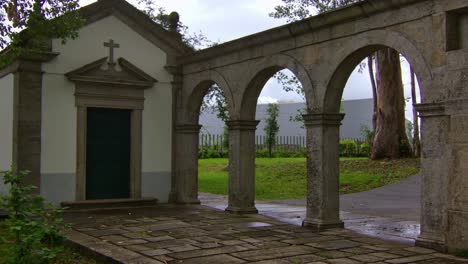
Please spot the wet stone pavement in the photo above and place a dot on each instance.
(388, 228)
(199, 234)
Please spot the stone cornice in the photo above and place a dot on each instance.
(242, 124)
(29, 61)
(353, 12)
(323, 119)
(431, 109)
(188, 128)
(129, 76)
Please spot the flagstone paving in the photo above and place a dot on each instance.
(198, 234)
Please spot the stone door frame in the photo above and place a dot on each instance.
(87, 96)
(110, 88)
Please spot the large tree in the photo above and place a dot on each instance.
(27, 25)
(390, 134)
(389, 103)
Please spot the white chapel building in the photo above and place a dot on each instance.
(93, 118)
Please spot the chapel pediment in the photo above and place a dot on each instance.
(106, 71)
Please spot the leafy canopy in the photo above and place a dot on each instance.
(160, 16)
(294, 10)
(27, 24)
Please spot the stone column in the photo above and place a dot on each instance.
(435, 176)
(242, 166)
(185, 187)
(457, 183)
(323, 201)
(27, 121)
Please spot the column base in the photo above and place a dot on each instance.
(238, 210)
(321, 226)
(178, 200)
(431, 244)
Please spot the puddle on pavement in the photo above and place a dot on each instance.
(374, 226)
(251, 225)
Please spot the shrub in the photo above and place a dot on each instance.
(284, 154)
(365, 149)
(302, 153)
(405, 149)
(262, 153)
(367, 134)
(348, 147)
(210, 152)
(35, 230)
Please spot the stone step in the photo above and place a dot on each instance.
(108, 204)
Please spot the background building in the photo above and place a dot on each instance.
(358, 113)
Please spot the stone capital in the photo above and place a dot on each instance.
(323, 119)
(431, 109)
(174, 69)
(188, 128)
(242, 124)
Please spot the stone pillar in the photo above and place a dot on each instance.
(434, 173)
(457, 183)
(185, 187)
(323, 201)
(27, 121)
(242, 166)
(81, 153)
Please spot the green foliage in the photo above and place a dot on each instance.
(302, 153)
(367, 134)
(159, 15)
(35, 230)
(289, 82)
(271, 126)
(365, 149)
(27, 26)
(294, 10)
(348, 147)
(405, 149)
(211, 152)
(215, 101)
(462, 253)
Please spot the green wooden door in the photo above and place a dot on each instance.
(107, 154)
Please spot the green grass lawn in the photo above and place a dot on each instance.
(285, 178)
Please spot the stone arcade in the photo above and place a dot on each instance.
(127, 80)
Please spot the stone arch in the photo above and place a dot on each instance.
(202, 83)
(266, 68)
(364, 46)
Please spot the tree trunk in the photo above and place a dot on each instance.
(370, 63)
(416, 141)
(390, 129)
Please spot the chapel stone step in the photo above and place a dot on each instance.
(108, 204)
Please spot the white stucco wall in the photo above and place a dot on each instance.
(58, 161)
(6, 125)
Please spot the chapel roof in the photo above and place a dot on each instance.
(137, 20)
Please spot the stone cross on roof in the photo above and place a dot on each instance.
(111, 45)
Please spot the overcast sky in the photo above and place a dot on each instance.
(222, 21)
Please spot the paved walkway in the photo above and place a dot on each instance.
(198, 234)
(391, 212)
